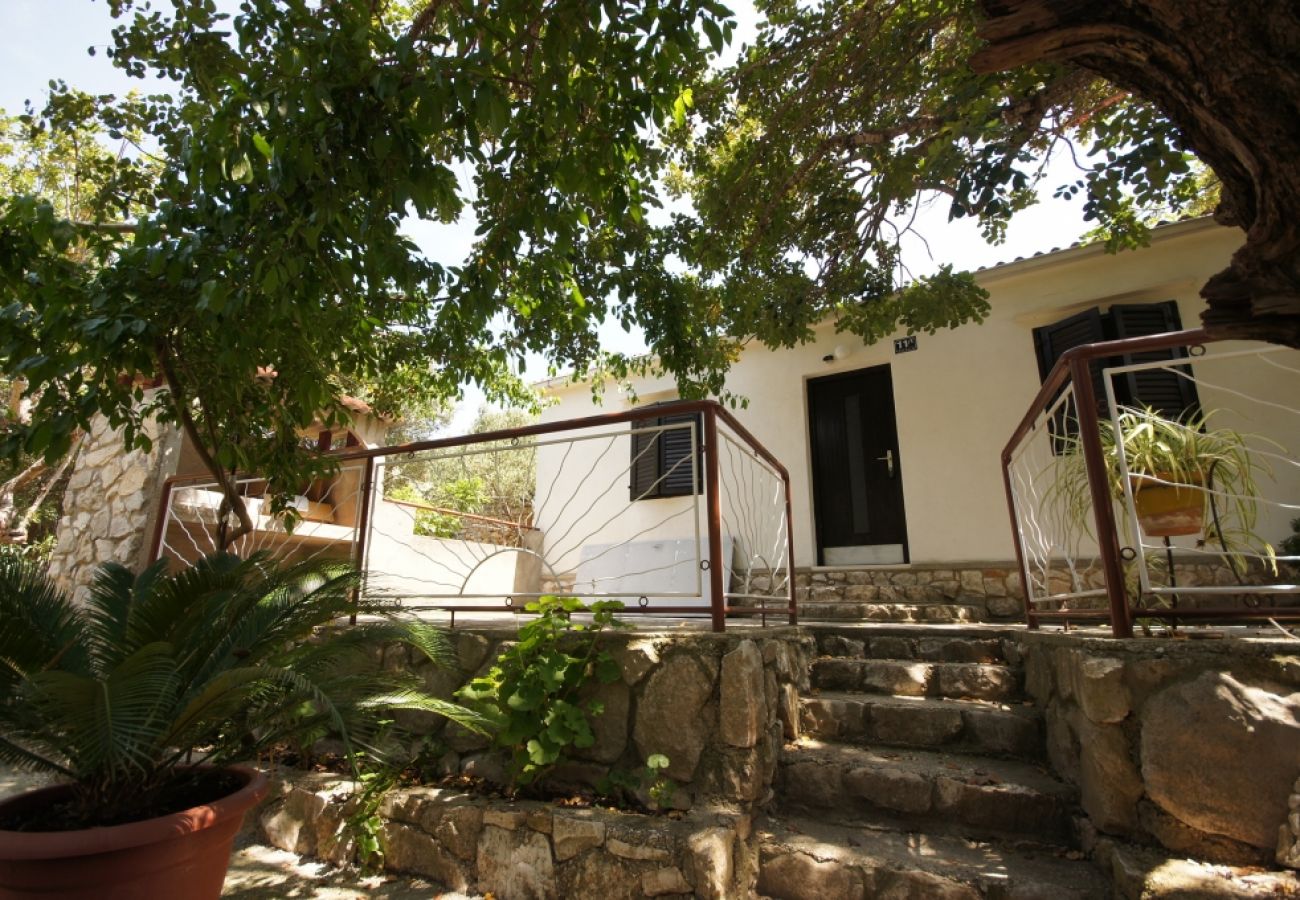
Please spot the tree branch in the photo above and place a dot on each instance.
(229, 490)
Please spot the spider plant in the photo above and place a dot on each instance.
(220, 661)
(1217, 463)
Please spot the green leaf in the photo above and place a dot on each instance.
(262, 146)
(241, 171)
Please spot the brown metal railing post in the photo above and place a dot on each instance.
(160, 524)
(1095, 462)
(363, 529)
(718, 601)
(789, 551)
(1031, 619)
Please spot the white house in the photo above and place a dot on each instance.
(894, 449)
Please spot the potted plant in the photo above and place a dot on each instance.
(1177, 468)
(1181, 473)
(123, 696)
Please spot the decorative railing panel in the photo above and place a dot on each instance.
(614, 507)
(1131, 513)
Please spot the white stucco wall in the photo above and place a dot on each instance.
(958, 398)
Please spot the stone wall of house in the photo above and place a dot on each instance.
(110, 504)
(513, 849)
(997, 586)
(718, 706)
(1192, 745)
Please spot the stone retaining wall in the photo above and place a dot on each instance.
(110, 504)
(523, 849)
(1193, 745)
(717, 705)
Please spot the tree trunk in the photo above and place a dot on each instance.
(1227, 74)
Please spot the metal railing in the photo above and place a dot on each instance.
(560, 507)
(1074, 478)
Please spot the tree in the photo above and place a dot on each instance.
(261, 265)
(497, 481)
(1223, 72)
(804, 158)
(69, 168)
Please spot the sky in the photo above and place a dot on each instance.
(45, 39)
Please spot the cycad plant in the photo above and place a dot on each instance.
(218, 662)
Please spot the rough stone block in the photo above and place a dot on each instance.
(671, 713)
(1039, 675)
(996, 731)
(1005, 607)
(837, 674)
(742, 713)
(1221, 756)
(572, 835)
(1102, 693)
(1007, 808)
(972, 582)
(515, 864)
(408, 849)
(891, 648)
(639, 851)
(611, 726)
(816, 785)
(896, 677)
(1109, 783)
(664, 881)
(709, 862)
(977, 681)
(787, 711)
(635, 659)
(796, 875)
(915, 725)
(892, 789)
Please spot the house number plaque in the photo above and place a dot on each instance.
(905, 344)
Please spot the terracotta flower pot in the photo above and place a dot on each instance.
(182, 855)
(1166, 510)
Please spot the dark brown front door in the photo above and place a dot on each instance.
(857, 475)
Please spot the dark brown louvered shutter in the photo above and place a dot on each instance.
(681, 471)
(1050, 341)
(645, 460)
(1170, 392)
(661, 464)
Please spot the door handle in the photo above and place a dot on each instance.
(888, 460)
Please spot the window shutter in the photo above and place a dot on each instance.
(1164, 390)
(645, 460)
(682, 475)
(1050, 341)
(661, 464)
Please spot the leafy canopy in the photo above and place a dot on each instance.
(804, 163)
(251, 252)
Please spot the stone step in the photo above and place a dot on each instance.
(932, 643)
(889, 612)
(939, 792)
(805, 859)
(900, 677)
(1140, 873)
(924, 722)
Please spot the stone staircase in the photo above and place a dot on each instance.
(920, 773)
